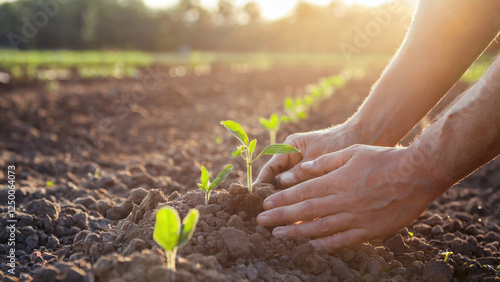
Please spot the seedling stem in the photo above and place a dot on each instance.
(247, 148)
(171, 258)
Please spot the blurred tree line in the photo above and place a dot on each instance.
(129, 24)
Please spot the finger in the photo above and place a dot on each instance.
(276, 165)
(302, 211)
(314, 188)
(293, 176)
(342, 240)
(326, 163)
(321, 227)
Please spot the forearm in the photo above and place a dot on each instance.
(467, 136)
(444, 39)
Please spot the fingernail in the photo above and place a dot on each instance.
(268, 205)
(279, 232)
(287, 178)
(315, 244)
(306, 165)
(263, 219)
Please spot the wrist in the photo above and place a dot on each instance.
(361, 129)
(423, 158)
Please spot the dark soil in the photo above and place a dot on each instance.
(149, 150)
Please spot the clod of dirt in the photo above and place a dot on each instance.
(397, 245)
(120, 211)
(137, 195)
(237, 242)
(435, 271)
(44, 207)
(250, 203)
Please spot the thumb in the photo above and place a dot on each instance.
(326, 163)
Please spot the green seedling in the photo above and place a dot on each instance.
(446, 255)
(272, 125)
(96, 174)
(49, 183)
(337, 81)
(295, 109)
(411, 233)
(246, 150)
(207, 186)
(171, 234)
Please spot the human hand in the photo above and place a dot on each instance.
(285, 170)
(359, 193)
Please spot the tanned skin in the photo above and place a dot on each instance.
(342, 194)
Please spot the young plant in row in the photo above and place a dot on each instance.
(171, 234)
(295, 109)
(247, 148)
(207, 186)
(272, 125)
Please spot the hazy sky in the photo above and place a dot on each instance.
(271, 9)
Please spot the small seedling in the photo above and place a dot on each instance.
(295, 109)
(272, 125)
(171, 234)
(94, 176)
(446, 255)
(411, 233)
(50, 183)
(207, 186)
(246, 150)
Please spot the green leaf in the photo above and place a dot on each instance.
(289, 103)
(264, 122)
(286, 119)
(188, 225)
(221, 177)
(238, 151)
(236, 130)
(50, 183)
(167, 228)
(251, 147)
(204, 188)
(299, 102)
(308, 100)
(274, 122)
(204, 177)
(279, 149)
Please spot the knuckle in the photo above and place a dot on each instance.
(295, 231)
(354, 147)
(282, 198)
(323, 226)
(308, 210)
(303, 192)
(344, 240)
(280, 214)
(289, 139)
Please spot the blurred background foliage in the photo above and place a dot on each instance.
(130, 24)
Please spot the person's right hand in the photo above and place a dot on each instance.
(284, 170)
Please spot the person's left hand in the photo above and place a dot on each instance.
(359, 194)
